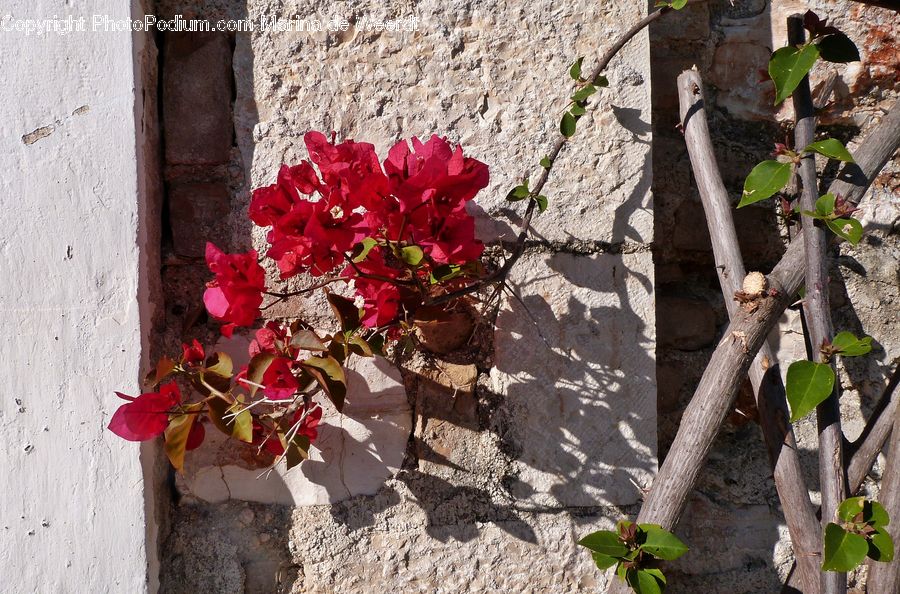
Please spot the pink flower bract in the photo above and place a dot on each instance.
(146, 416)
(235, 295)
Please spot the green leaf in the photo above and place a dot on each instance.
(583, 93)
(520, 192)
(643, 582)
(367, 244)
(217, 373)
(219, 364)
(412, 255)
(849, 229)
(844, 550)
(567, 125)
(808, 384)
(679, 4)
(878, 516)
(873, 513)
(881, 546)
(330, 375)
(297, 451)
(603, 561)
(661, 543)
(575, 69)
(445, 272)
(605, 542)
(764, 180)
(358, 346)
(657, 573)
(345, 311)
(825, 205)
(307, 340)
(850, 346)
(376, 344)
(837, 47)
(542, 202)
(831, 148)
(601, 81)
(256, 369)
(546, 163)
(848, 508)
(239, 426)
(788, 66)
(241, 423)
(578, 110)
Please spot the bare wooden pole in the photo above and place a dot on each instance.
(764, 374)
(832, 481)
(874, 435)
(745, 334)
(884, 578)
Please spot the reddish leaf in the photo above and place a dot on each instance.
(178, 434)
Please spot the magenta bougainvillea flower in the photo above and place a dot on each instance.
(235, 295)
(391, 234)
(146, 416)
(193, 353)
(417, 198)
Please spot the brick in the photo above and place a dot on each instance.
(195, 209)
(685, 324)
(197, 89)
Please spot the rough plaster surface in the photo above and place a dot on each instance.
(72, 307)
(574, 360)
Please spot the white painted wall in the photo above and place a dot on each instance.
(72, 517)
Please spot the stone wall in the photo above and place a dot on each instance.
(469, 470)
(476, 470)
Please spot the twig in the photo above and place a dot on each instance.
(818, 311)
(764, 375)
(884, 578)
(310, 289)
(866, 448)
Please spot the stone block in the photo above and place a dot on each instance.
(387, 543)
(197, 88)
(195, 210)
(578, 378)
(684, 323)
(468, 73)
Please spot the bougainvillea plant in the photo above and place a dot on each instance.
(382, 240)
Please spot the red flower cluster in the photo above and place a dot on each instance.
(235, 295)
(397, 232)
(417, 199)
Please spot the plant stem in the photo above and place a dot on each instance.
(519, 246)
(817, 309)
(884, 578)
